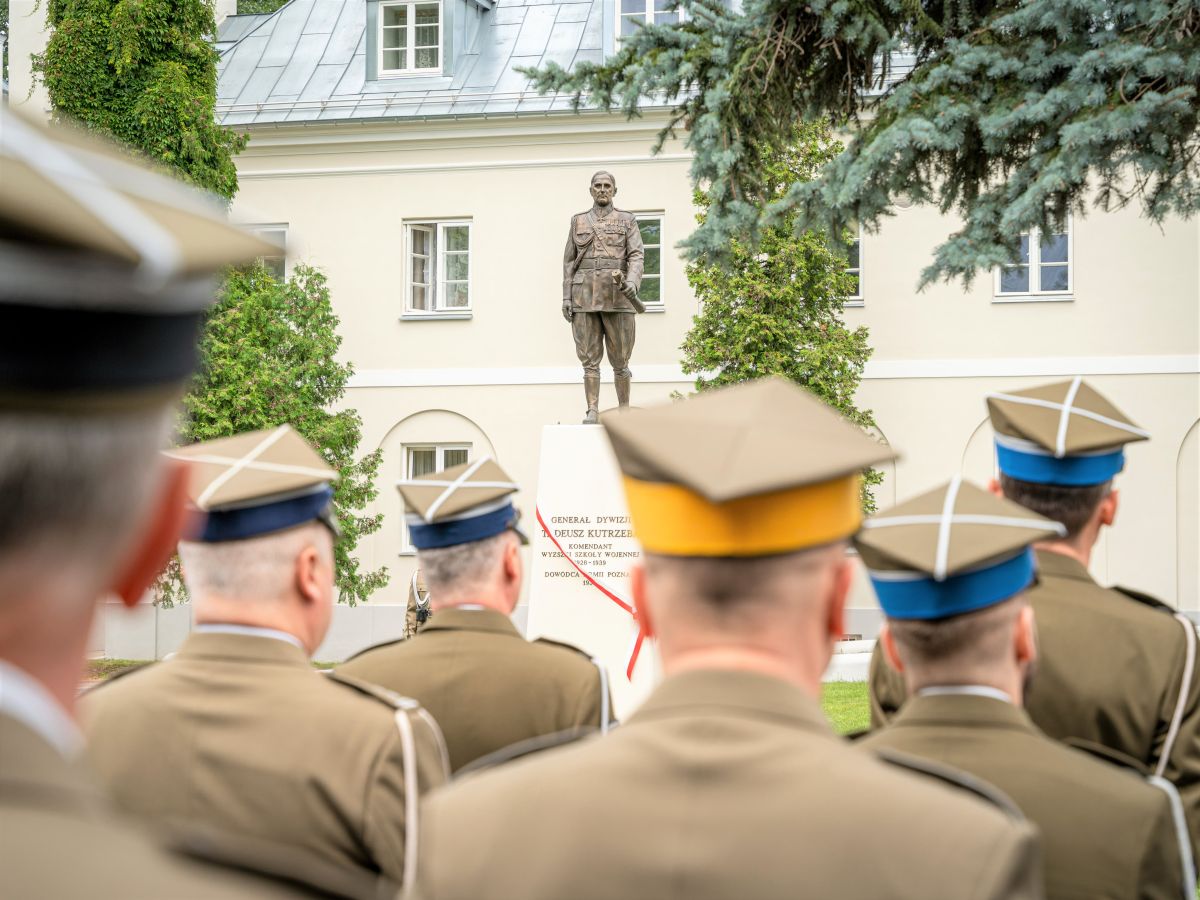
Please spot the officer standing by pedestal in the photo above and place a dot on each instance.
(1117, 668)
(602, 271)
(951, 569)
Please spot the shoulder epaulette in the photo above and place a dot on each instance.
(565, 645)
(955, 778)
(399, 640)
(1108, 755)
(119, 674)
(526, 748)
(1142, 598)
(378, 692)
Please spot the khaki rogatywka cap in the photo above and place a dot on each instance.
(459, 505)
(750, 470)
(952, 550)
(258, 483)
(1066, 433)
(108, 267)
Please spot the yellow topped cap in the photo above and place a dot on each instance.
(750, 470)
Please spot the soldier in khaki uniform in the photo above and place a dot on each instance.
(485, 684)
(1117, 668)
(105, 282)
(237, 730)
(602, 271)
(418, 609)
(729, 782)
(951, 568)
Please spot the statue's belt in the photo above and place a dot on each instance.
(602, 263)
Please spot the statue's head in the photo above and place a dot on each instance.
(604, 188)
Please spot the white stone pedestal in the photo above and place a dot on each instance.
(582, 507)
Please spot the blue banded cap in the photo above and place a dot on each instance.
(953, 550)
(1066, 433)
(108, 267)
(461, 504)
(258, 483)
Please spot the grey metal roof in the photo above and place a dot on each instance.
(307, 62)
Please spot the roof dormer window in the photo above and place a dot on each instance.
(410, 37)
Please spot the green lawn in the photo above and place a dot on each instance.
(846, 705)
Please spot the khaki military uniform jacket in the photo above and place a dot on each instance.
(1106, 833)
(596, 247)
(485, 684)
(723, 785)
(1109, 672)
(240, 733)
(59, 838)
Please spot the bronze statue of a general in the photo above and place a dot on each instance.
(602, 271)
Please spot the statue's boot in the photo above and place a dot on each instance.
(622, 383)
(591, 389)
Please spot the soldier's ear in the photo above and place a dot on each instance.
(1025, 637)
(637, 588)
(158, 538)
(887, 641)
(994, 487)
(1108, 507)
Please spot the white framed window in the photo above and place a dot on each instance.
(854, 267)
(276, 264)
(650, 224)
(1042, 269)
(410, 37)
(438, 268)
(632, 14)
(425, 459)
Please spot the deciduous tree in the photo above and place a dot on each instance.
(269, 355)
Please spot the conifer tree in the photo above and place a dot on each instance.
(1007, 113)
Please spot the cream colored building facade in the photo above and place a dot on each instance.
(373, 179)
(490, 382)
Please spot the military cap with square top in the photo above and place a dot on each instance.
(952, 550)
(258, 483)
(749, 470)
(1066, 433)
(461, 504)
(108, 267)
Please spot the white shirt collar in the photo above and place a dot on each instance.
(970, 690)
(254, 631)
(25, 699)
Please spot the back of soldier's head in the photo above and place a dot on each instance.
(463, 524)
(950, 568)
(1058, 448)
(266, 498)
(742, 499)
(107, 273)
